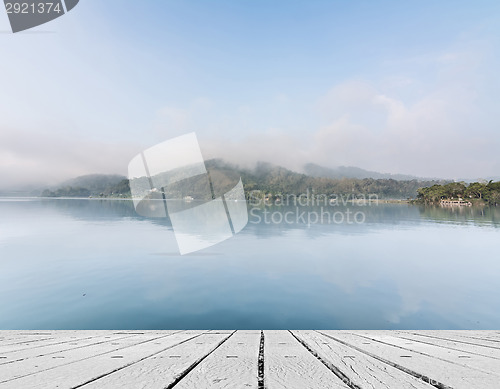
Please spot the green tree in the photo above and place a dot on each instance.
(476, 190)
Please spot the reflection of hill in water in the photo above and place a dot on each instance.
(100, 210)
(390, 216)
(376, 218)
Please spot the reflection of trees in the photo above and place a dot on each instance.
(462, 215)
(94, 209)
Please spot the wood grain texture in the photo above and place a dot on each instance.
(56, 349)
(430, 369)
(32, 342)
(466, 347)
(163, 369)
(288, 364)
(465, 338)
(459, 358)
(357, 368)
(228, 359)
(29, 366)
(487, 337)
(234, 365)
(84, 365)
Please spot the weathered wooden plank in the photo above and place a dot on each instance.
(375, 359)
(451, 344)
(488, 336)
(163, 369)
(21, 337)
(29, 366)
(8, 336)
(58, 348)
(472, 334)
(233, 365)
(56, 338)
(288, 364)
(436, 371)
(357, 368)
(461, 358)
(82, 365)
(454, 336)
(24, 341)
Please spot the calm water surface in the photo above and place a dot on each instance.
(96, 264)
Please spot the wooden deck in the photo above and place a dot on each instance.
(250, 359)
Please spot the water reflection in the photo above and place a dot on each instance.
(404, 267)
(384, 214)
(481, 216)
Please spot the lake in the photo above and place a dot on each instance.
(97, 264)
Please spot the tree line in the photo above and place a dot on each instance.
(270, 180)
(476, 192)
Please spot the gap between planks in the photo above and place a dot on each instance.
(269, 359)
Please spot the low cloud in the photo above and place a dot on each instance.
(37, 158)
(441, 123)
(445, 128)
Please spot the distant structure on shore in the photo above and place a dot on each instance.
(455, 203)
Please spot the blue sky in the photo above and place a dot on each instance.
(395, 86)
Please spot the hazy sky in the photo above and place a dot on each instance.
(394, 86)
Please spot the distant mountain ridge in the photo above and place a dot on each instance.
(265, 178)
(340, 172)
(91, 185)
(98, 182)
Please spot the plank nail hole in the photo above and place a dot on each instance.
(367, 343)
(114, 344)
(282, 343)
(290, 356)
(58, 357)
(117, 356)
(405, 356)
(231, 356)
(241, 343)
(3, 357)
(463, 356)
(200, 343)
(174, 356)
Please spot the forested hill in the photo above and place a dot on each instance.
(265, 177)
(475, 192)
(314, 170)
(277, 180)
(95, 185)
